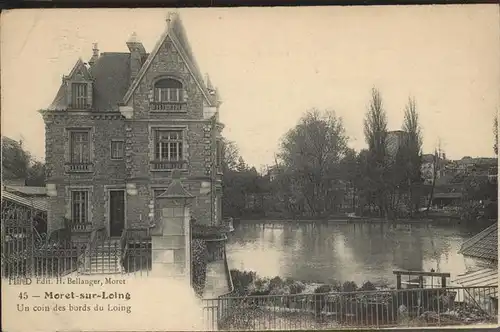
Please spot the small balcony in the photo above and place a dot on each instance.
(79, 167)
(168, 165)
(81, 227)
(168, 106)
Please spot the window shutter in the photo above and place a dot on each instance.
(184, 95)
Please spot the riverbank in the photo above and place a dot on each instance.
(438, 220)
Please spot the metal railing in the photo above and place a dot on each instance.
(136, 251)
(385, 308)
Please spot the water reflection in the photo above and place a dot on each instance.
(358, 252)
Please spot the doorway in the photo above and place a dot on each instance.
(116, 212)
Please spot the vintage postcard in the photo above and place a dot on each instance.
(250, 168)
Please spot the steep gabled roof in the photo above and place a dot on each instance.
(60, 101)
(111, 74)
(112, 79)
(175, 31)
(80, 69)
(482, 245)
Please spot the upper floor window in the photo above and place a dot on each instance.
(80, 146)
(168, 145)
(79, 95)
(117, 149)
(168, 90)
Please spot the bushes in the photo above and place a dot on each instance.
(296, 287)
(349, 286)
(248, 283)
(199, 265)
(367, 286)
(242, 281)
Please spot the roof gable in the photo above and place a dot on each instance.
(175, 31)
(80, 72)
(111, 75)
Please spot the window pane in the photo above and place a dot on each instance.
(164, 150)
(164, 95)
(79, 147)
(117, 150)
(174, 95)
(168, 145)
(79, 206)
(173, 151)
(79, 95)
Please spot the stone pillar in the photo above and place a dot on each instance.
(171, 236)
(170, 240)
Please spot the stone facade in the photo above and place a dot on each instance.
(135, 173)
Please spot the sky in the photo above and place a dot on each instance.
(273, 64)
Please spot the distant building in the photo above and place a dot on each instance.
(272, 172)
(394, 140)
(428, 166)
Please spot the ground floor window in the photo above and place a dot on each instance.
(79, 206)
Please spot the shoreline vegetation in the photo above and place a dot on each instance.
(248, 283)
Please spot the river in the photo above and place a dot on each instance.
(356, 252)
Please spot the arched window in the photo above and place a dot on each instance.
(169, 90)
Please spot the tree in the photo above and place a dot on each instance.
(311, 153)
(15, 160)
(435, 169)
(375, 129)
(241, 165)
(231, 155)
(17, 163)
(36, 174)
(412, 150)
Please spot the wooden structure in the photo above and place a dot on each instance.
(420, 277)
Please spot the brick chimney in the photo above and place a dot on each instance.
(137, 54)
(95, 54)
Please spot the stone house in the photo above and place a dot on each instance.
(117, 128)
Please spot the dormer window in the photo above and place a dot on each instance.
(79, 95)
(169, 95)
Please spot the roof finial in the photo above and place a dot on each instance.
(169, 18)
(133, 38)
